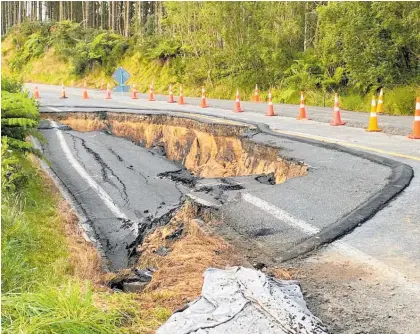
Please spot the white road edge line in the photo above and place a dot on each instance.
(339, 245)
(280, 214)
(82, 172)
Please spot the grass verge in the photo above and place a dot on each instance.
(51, 276)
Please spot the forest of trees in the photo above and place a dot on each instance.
(349, 47)
(111, 15)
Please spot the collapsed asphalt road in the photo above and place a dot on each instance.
(366, 282)
(129, 175)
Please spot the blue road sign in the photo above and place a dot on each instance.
(121, 76)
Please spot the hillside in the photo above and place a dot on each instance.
(353, 49)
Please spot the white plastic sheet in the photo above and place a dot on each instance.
(245, 301)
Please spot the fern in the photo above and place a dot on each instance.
(22, 122)
(19, 115)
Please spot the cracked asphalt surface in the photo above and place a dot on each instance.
(127, 173)
(374, 287)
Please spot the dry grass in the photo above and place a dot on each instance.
(84, 259)
(179, 275)
(85, 124)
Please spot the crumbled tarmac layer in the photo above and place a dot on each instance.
(182, 175)
(267, 179)
(145, 227)
(125, 279)
(177, 233)
(158, 149)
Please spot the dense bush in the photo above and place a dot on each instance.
(106, 49)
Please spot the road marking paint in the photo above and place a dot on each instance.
(280, 214)
(82, 172)
(348, 144)
(338, 245)
(301, 134)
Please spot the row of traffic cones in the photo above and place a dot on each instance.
(376, 108)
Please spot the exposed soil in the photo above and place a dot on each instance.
(211, 151)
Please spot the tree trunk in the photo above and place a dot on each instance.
(101, 11)
(39, 4)
(93, 14)
(305, 30)
(87, 13)
(3, 18)
(19, 15)
(112, 14)
(127, 19)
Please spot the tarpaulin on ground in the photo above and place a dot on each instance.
(243, 300)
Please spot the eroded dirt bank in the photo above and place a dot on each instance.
(207, 150)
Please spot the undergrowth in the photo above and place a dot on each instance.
(65, 52)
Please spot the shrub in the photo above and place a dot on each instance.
(11, 85)
(106, 49)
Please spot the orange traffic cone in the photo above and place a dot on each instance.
(373, 120)
(256, 97)
(203, 98)
(85, 93)
(416, 125)
(63, 92)
(270, 109)
(36, 93)
(181, 96)
(237, 107)
(108, 93)
(102, 87)
(151, 93)
(171, 95)
(302, 108)
(134, 93)
(336, 113)
(380, 107)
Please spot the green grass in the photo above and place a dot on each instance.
(39, 294)
(63, 309)
(33, 244)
